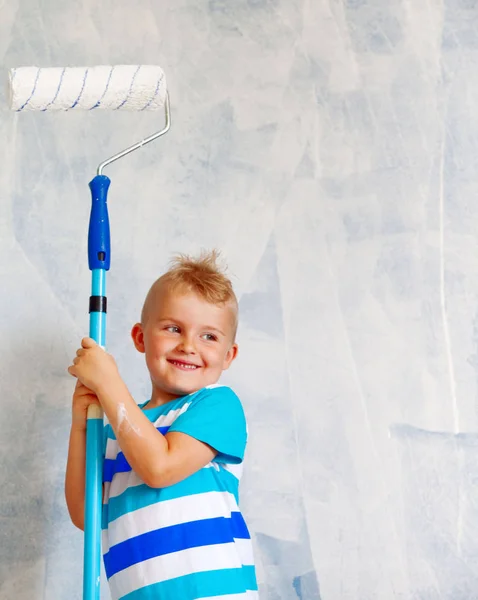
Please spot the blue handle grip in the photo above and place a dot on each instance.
(99, 229)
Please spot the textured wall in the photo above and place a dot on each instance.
(329, 148)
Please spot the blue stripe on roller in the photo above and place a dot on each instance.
(120, 464)
(158, 85)
(130, 89)
(106, 89)
(57, 91)
(33, 91)
(194, 534)
(206, 584)
(82, 89)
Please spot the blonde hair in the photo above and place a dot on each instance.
(202, 276)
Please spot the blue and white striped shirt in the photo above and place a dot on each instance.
(187, 541)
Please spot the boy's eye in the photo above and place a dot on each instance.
(209, 337)
(172, 329)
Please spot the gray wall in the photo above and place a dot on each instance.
(329, 149)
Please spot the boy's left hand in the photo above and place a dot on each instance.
(94, 367)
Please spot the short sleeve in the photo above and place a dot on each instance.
(216, 417)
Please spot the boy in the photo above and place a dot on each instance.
(172, 529)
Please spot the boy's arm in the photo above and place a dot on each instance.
(75, 468)
(159, 460)
(75, 476)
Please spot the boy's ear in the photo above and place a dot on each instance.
(138, 337)
(230, 356)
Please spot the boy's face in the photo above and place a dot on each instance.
(187, 341)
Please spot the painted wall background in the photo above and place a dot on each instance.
(329, 149)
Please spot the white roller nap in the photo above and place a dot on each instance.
(121, 87)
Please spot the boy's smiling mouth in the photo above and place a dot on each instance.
(183, 365)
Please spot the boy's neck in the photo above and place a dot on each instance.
(160, 397)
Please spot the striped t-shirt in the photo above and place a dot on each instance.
(189, 540)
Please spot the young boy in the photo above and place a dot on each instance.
(172, 529)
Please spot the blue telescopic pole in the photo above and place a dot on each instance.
(99, 263)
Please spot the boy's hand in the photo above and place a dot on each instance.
(94, 367)
(82, 398)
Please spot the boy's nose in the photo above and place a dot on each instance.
(187, 345)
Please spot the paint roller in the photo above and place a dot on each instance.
(125, 88)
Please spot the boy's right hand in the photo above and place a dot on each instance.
(82, 398)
